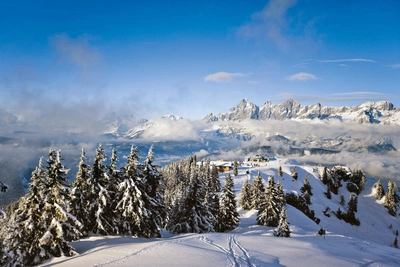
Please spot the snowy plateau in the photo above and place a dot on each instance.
(370, 244)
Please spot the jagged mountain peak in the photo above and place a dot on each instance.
(172, 117)
(369, 112)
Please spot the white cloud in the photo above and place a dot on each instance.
(270, 23)
(222, 76)
(301, 76)
(395, 66)
(347, 60)
(77, 51)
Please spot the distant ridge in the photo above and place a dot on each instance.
(382, 112)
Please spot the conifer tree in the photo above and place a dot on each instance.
(235, 168)
(257, 192)
(228, 216)
(328, 192)
(154, 191)
(141, 215)
(101, 213)
(306, 186)
(391, 198)
(245, 196)
(324, 176)
(280, 172)
(380, 192)
(58, 225)
(295, 175)
(216, 184)
(268, 214)
(80, 202)
(280, 194)
(283, 227)
(21, 240)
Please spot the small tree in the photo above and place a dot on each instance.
(391, 198)
(306, 186)
(235, 168)
(380, 192)
(228, 216)
(295, 175)
(245, 196)
(283, 227)
(257, 192)
(280, 172)
(324, 176)
(268, 214)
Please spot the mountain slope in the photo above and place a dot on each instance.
(252, 245)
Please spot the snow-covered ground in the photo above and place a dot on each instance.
(252, 245)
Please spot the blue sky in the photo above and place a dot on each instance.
(189, 58)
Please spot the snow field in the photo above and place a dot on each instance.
(253, 245)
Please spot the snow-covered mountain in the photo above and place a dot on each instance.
(380, 112)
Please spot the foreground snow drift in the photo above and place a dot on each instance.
(248, 245)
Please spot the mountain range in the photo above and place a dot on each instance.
(382, 112)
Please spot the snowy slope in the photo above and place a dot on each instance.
(252, 245)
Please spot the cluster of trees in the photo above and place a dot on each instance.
(269, 201)
(332, 178)
(350, 215)
(194, 199)
(102, 199)
(391, 197)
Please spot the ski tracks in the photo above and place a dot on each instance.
(236, 254)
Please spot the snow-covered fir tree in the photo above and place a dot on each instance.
(257, 192)
(211, 195)
(306, 186)
(380, 192)
(268, 214)
(228, 216)
(100, 197)
(280, 172)
(325, 175)
(24, 228)
(59, 225)
(141, 215)
(391, 198)
(216, 184)
(283, 227)
(80, 202)
(235, 168)
(280, 194)
(245, 196)
(154, 191)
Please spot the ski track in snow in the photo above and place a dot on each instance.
(234, 258)
(127, 257)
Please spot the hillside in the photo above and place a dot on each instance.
(252, 245)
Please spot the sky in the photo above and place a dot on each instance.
(79, 59)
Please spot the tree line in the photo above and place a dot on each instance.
(137, 199)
